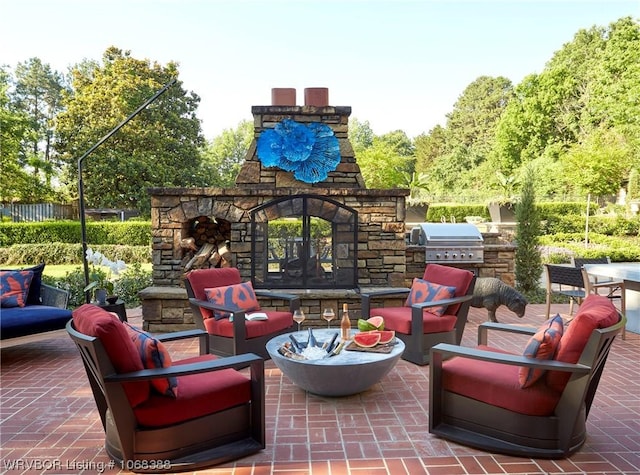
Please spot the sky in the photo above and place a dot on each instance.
(400, 65)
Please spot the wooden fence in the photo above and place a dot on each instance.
(19, 212)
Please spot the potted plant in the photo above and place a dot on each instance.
(416, 203)
(101, 281)
(502, 208)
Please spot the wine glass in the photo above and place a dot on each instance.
(328, 315)
(298, 317)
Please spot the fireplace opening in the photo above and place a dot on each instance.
(206, 243)
(304, 241)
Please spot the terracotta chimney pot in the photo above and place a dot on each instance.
(283, 96)
(316, 96)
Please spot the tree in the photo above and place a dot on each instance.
(160, 147)
(528, 259)
(614, 79)
(17, 183)
(429, 147)
(472, 124)
(360, 134)
(400, 143)
(598, 165)
(591, 85)
(386, 160)
(225, 154)
(382, 166)
(38, 94)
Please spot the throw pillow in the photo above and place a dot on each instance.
(153, 354)
(15, 287)
(236, 297)
(33, 298)
(425, 291)
(543, 346)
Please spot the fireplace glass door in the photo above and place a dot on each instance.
(304, 241)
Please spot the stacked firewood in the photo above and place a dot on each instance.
(208, 245)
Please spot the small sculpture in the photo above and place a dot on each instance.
(490, 293)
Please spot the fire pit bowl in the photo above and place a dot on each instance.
(347, 373)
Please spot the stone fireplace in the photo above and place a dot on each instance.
(325, 240)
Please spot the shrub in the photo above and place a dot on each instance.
(132, 281)
(560, 247)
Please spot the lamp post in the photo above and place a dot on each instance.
(83, 223)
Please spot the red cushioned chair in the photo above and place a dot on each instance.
(216, 414)
(477, 397)
(239, 336)
(414, 324)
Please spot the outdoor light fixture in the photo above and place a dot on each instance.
(83, 223)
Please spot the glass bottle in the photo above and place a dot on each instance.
(345, 323)
(312, 339)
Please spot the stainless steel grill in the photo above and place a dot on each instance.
(449, 242)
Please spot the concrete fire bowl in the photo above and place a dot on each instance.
(347, 373)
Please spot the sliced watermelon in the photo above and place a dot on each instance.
(386, 336)
(364, 326)
(367, 339)
(376, 322)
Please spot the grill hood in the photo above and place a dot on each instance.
(449, 242)
(446, 234)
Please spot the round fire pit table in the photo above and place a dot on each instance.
(347, 373)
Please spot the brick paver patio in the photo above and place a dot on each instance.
(49, 420)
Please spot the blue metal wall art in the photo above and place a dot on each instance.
(310, 151)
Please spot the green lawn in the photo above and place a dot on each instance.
(59, 271)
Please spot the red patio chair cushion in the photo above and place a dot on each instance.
(399, 320)
(498, 385)
(199, 395)
(107, 327)
(276, 321)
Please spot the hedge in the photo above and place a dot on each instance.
(134, 233)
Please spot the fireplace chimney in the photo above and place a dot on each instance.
(316, 96)
(283, 96)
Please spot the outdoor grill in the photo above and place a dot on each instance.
(449, 242)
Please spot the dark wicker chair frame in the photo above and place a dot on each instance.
(567, 281)
(190, 445)
(418, 344)
(53, 296)
(494, 429)
(239, 344)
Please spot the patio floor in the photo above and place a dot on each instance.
(49, 423)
